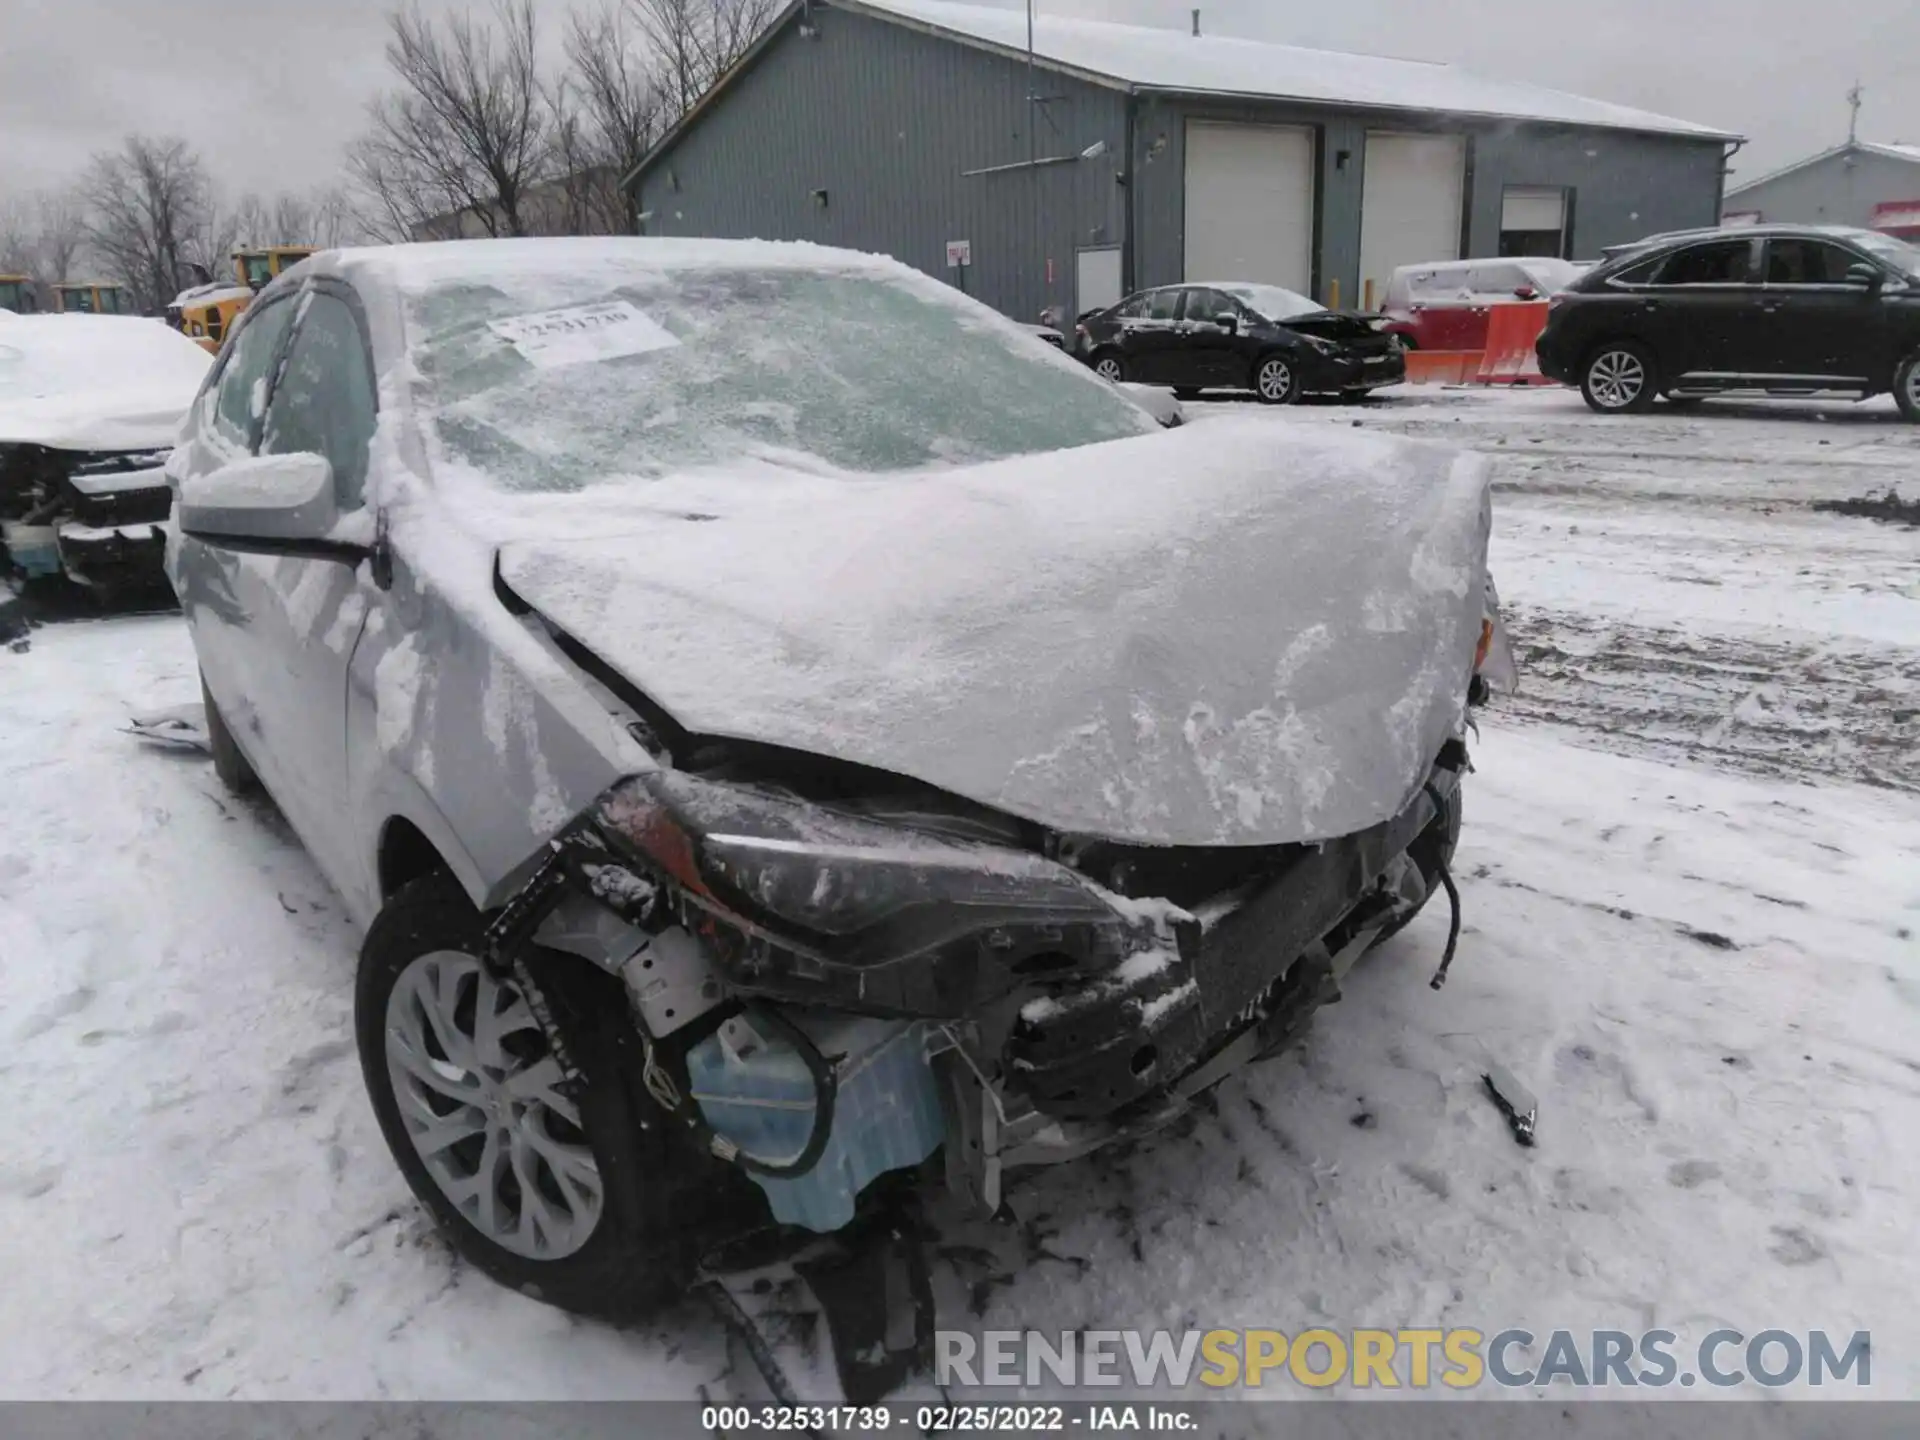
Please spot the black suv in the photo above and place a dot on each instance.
(1778, 309)
(1276, 343)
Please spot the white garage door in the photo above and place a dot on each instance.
(1250, 204)
(1409, 204)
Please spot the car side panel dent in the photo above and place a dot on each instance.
(449, 731)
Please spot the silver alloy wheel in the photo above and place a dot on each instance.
(1276, 380)
(1913, 385)
(1108, 368)
(1617, 378)
(475, 1084)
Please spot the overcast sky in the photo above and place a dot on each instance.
(271, 90)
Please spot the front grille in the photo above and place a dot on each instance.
(123, 507)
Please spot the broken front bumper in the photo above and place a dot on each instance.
(1062, 1015)
(1088, 1052)
(113, 558)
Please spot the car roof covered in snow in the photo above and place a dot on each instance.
(1157, 59)
(417, 267)
(96, 382)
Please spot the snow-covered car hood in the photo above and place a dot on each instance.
(1229, 635)
(96, 382)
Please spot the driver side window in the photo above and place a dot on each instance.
(241, 400)
(1205, 307)
(324, 402)
(1164, 305)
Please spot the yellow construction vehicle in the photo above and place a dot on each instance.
(90, 298)
(207, 312)
(255, 267)
(17, 294)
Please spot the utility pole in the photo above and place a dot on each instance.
(1853, 101)
(1038, 239)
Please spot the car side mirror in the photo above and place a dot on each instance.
(1525, 292)
(1227, 321)
(285, 498)
(1869, 276)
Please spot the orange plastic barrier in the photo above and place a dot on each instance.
(1511, 331)
(1443, 367)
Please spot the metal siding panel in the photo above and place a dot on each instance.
(885, 119)
(1831, 191)
(1624, 185)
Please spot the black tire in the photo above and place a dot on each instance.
(1620, 377)
(1110, 365)
(1431, 850)
(664, 1202)
(1268, 384)
(1906, 388)
(228, 763)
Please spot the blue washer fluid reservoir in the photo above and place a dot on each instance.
(754, 1089)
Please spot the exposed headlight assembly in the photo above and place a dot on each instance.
(817, 906)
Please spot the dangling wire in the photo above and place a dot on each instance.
(737, 1322)
(1441, 861)
(1453, 928)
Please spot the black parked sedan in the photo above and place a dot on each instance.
(1772, 309)
(1239, 337)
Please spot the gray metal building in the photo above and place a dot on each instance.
(1109, 157)
(1852, 184)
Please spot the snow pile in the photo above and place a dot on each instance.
(96, 382)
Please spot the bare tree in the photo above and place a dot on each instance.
(607, 112)
(467, 132)
(695, 42)
(42, 235)
(148, 206)
(208, 252)
(60, 234)
(17, 239)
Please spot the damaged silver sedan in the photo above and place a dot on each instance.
(794, 739)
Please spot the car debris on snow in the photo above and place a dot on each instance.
(1514, 1101)
(184, 727)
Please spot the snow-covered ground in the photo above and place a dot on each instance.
(1691, 900)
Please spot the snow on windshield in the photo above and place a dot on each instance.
(553, 379)
(1273, 302)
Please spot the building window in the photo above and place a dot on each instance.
(1534, 222)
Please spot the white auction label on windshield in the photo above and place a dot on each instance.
(581, 333)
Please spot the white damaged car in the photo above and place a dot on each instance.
(89, 407)
(781, 725)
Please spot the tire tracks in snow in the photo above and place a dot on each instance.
(1785, 708)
